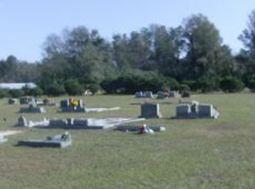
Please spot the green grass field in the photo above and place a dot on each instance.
(191, 154)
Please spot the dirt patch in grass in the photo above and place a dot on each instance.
(10, 132)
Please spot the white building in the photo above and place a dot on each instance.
(17, 85)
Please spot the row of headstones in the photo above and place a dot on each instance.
(196, 110)
(192, 110)
(65, 105)
(31, 100)
(159, 95)
(69, 123)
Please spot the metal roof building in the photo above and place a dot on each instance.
(17, 85)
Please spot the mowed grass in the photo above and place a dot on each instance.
(191, 154)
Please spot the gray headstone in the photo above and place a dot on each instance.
(205, 110)
(81, 104)
(139, 94)
(183, 110)
(80, 123)
(66, 106)
(70, 121)
(162, 95)
(12, 101)
(26, 100)
(174, 94)
(46, 101)
(148, 94)
(58, 123)
(22, 121)
(149, 110)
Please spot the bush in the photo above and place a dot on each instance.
(192, 85)
(16, 93)
(73, 87)
(133, 82)
(252, 85)
(174, 84)
(3, 93)
(35, 92)
(184, 87)
(186, 94)
(231, 84)
(55, 89)
(94, 88)
(208, 84)
(108, 86)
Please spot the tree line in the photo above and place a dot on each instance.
(191, 56)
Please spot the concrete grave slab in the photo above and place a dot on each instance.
(58, 141)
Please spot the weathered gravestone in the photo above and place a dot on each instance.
(72, 105)
(174, 94)
(183, 110)
(22, 122)
(32, 108)
(26, 100)
(162, 95)
(3, 139)
(48, 102)
(12, 101)
(146, 94)
(196, 110)
(139, 94)
(58, 123)
(150, 110)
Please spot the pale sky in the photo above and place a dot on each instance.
(25, 24)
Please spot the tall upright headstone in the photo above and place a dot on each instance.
(22, 121)
(150, 110)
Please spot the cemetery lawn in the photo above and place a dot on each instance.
(191, 154)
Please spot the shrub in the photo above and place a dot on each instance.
(231, 84)
(174, 84)
(35, 92)
(107, 86)
(208, 84)
(55, 89)
(186, 94)
(192, 85)
(94, 88)
(133, 82)
(73, 87)
(3, 93)
(184, 87)
(252, 85)
(16, 93)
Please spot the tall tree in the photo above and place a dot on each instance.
(167, 48)
(248, 35)
(133, 51)
(77, 54)
(203, 41)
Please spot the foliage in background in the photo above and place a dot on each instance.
(231, 84)
(191, 56)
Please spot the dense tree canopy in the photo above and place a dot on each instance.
(191, 55)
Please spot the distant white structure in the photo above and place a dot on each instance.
(11, 86)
